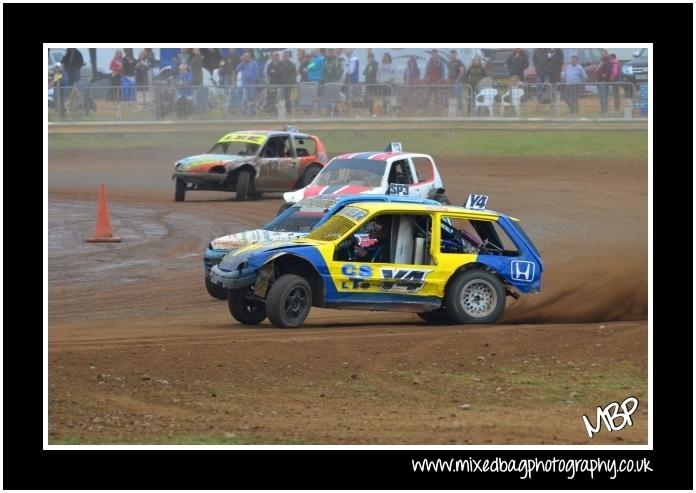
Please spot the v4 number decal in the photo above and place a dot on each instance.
(403, 280)
(396, 280)
(476, 201)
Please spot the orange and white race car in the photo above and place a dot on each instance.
(251, 162)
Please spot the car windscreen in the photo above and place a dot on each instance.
(338, 225)
(296, 221)
(303, 216)
(235, 148)
(361, 172)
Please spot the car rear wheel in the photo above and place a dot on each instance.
(289, 301)
(243, 180)
(475, 297)
(214, 290)
(179, 190)
(308, 177)
(244, 309)
(283, 208)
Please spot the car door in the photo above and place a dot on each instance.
(397, 268)
(295, 158)
(423, 173)
(277, 165)
(452, 247)
(400, 178)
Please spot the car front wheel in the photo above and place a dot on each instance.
(243, 181)
(475, 297)
(179, 190)
(289, 301)
(214, 290)
(244, 309)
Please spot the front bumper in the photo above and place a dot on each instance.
(233, 279)
(212, 257)
(200, 178)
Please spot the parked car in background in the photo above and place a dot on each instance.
(496, 64)
(636, 70)
(587, 57)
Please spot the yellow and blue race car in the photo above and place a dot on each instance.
(448, 264)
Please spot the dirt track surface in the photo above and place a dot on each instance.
(138, 352)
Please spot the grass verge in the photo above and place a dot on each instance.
(521, 143)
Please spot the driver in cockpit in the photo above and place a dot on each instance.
(249, 149)
(376, 250)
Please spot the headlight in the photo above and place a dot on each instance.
(627, 69)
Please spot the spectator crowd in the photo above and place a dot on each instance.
(247, 72)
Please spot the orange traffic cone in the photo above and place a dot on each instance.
(103, 233)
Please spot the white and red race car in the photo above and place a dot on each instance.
(390, 172)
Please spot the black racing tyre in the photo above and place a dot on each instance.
(442, 198)
(179, 190)
(243, 181)
(214, 290)
(440, 316)
(252, 194)
(308, 177)
(475, 297)
(288, 301)
(244, 310)
(283, 207)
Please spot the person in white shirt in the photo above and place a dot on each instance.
(386, 74)
(352, 68)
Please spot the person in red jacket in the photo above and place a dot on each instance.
(116, 68)
(603, 76)
(434, 72)
(616, 78)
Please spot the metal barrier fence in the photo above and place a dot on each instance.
(167, 101)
